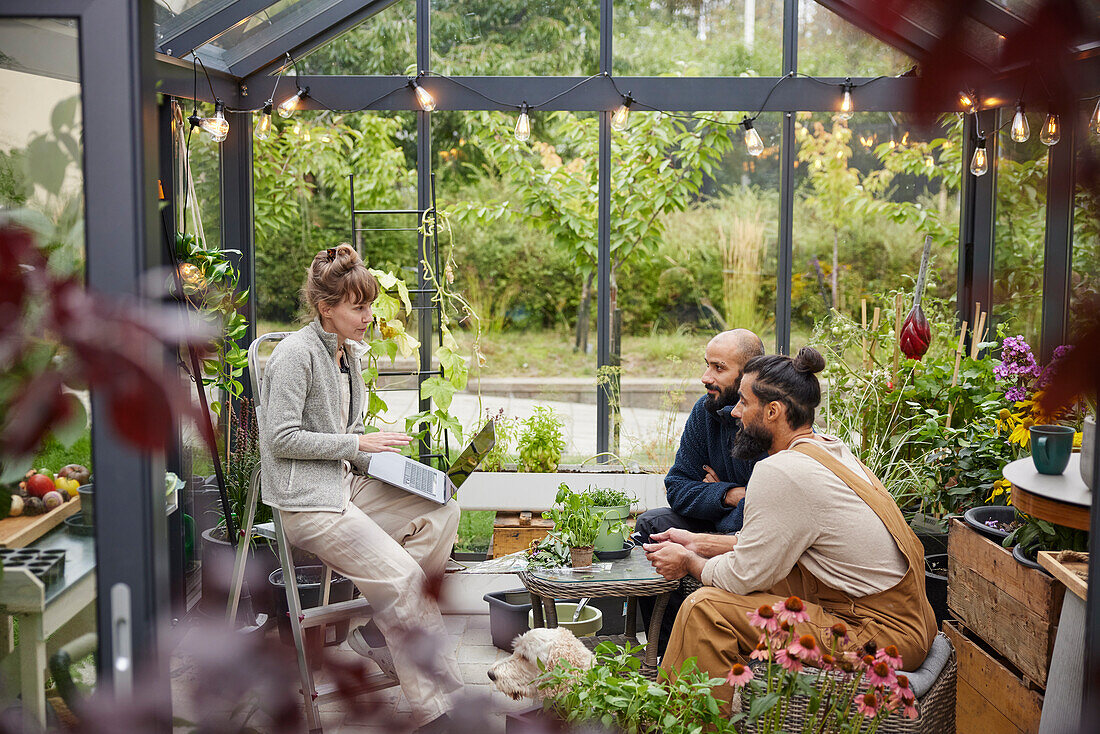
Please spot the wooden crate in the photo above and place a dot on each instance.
(990, 698)
(1014, 609)
(515, 531)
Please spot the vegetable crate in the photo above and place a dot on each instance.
(990, 696)
(1012, 608)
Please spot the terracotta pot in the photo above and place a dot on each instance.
(581, 557)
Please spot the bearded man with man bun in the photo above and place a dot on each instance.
(818, 525)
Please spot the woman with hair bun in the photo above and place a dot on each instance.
(819, 525)
(314, 455)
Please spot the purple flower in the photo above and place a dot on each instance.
(1015, 394)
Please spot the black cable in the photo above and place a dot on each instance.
(467, 88)
(207, 73)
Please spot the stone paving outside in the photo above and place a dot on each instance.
(469, 634)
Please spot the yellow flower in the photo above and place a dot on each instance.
(1001, 486)
(1077, 437)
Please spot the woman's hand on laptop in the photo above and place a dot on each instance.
(380, 441)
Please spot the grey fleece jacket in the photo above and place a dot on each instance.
(302, 441)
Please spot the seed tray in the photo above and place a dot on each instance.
(47, 565)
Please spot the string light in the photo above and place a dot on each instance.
(969, 101)
(846, 108)
(426, 100)
(753, 142)
(523, 124)
(263, 130)
(979, 164)
(1095, 119)
(297, 128)
(217, 126)
(1052, 130)
(621, 118)
(1021, 131)
(292, 103)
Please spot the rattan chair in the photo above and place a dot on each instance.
(935, 708)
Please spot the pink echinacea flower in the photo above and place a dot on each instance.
(805, 648)
(739, 675)
(764, 618)
(792, 610)
(867, 704)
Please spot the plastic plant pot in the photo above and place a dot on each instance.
(590, 623)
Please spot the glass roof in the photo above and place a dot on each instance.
(272, 28)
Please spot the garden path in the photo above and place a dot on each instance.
(647, 433)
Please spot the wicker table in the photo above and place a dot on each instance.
(632, 577)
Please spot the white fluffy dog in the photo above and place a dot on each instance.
(515, 675)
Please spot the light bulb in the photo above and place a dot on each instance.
(1095, 120)
(846, 104)
(979, 164)
(1052, 130)
(293, 102)
(967, 100)
(752, 138)
(217, 126)
(1021, 131)
(263, 130)
(427, 102)
(621, 117)
(305, 135)
(523, 124)
(297, 128)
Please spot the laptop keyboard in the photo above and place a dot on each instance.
(418, 477)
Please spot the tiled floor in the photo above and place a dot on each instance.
(387, 711)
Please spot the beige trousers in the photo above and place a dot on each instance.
(388, 542)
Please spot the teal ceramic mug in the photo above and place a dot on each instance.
(1051, 447)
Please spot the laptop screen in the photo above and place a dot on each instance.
(472, 455)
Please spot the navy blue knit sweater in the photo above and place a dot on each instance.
(708, 439)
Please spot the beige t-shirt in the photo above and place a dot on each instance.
(797, 510)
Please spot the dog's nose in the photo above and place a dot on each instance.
(492, 675)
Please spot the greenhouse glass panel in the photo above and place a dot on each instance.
(693, 240)
(171, 17)
(384, 44)
(724, 38)
(42, 189)
(515, 38)
(267, 26)
(1019, 237)
(1085, 278)
(523, 220)
(869, 191)
(830, 46)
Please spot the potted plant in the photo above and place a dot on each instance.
(541, 441)
(576, 523)
(613, 507)
(217, 550)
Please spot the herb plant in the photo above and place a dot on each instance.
(607, 497)
(541, 442)
(575, 522)
(615, 695)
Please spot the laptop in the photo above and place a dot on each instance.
(428, 482)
